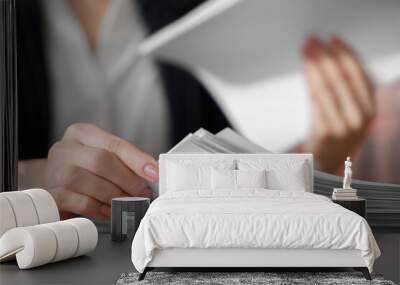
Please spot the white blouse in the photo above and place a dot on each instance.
(131, 106)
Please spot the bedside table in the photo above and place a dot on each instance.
(357, 206)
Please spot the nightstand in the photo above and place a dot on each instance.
(357, 206)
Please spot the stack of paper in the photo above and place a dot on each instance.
(383, 200)
(344, 194)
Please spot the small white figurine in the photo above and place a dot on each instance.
(347, 174)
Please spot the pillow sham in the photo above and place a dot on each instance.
(189, 174)
(293, 181)
(181, 177)
(223, 179)
(282, 174)
(251, 178)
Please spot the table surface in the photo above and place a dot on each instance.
(102, 266)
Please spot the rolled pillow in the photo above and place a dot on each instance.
(37, 245)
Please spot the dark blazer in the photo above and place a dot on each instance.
(191, 106)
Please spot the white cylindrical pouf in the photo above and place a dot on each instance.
(40, 244)
(7, 217)
(45, 205)
(67, 239)
(87, 235)
(34, 246)
(23, 208)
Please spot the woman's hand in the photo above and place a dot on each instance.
(89, 167)
(343, 102)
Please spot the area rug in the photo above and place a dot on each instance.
(230, 278)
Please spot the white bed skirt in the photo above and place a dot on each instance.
(235, 257)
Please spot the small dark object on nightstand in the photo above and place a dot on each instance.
(126, 214)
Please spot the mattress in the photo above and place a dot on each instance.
(251, 219)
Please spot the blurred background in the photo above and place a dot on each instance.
(68, 48)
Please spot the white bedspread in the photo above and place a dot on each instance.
(250, 219)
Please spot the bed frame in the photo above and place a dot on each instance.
(246, 259)
(242, 259)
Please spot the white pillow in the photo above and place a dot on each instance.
(282, 174)
(235, 179)
(251, 178)
(181, 177)
(223, 179)
(193, 174)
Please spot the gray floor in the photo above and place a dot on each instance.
(106, 264)
(103, 266)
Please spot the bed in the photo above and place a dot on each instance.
(246, 211)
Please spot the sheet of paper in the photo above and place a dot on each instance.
(247, 53)
(275, 113)
(243, 41)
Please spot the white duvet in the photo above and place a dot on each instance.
(250, 219)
